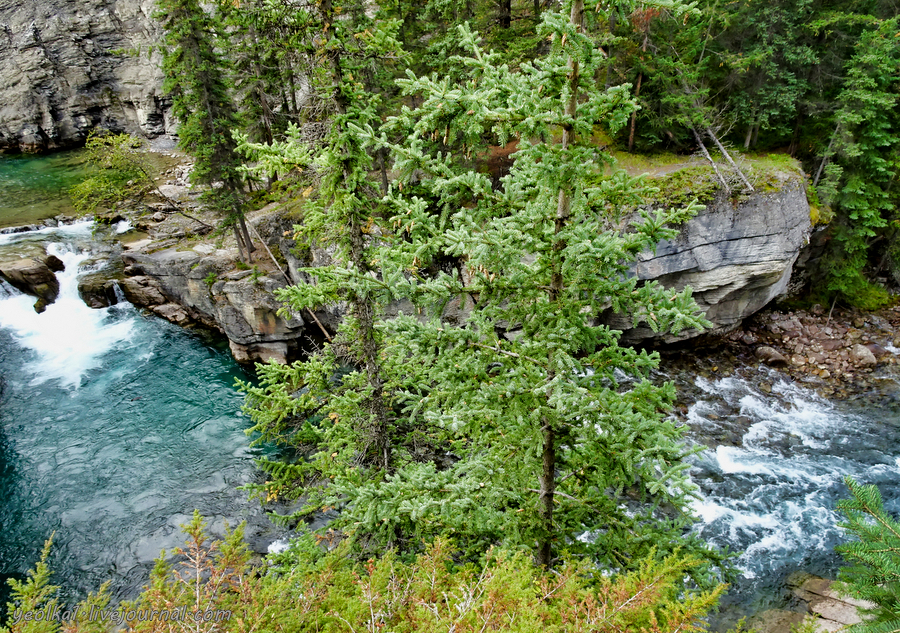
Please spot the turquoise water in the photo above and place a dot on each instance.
(114, 427)
(36, 187)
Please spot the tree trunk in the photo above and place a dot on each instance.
(711, 161)
(563, 209)
(826, 156)
(240, 244)
(548, 488)
(637, 93)
(248, 243)
(363, 304)
(505, 13)
(729, 159)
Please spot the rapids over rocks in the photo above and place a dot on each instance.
(114, 427)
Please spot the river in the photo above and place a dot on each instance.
(114, 427)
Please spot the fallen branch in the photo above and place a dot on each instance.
(711, 161)
(288, 279)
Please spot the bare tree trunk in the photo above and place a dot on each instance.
(826, 156)
(248, 243)
(637, 93)
(505, 13)
(240, 245)
(711, 161)
(729, 159)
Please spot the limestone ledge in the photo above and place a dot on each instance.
(187, 286)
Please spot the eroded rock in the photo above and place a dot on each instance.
(736, 258)
(60, 76)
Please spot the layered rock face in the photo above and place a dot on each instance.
(67, 67)
(193, 286)
(736, 257)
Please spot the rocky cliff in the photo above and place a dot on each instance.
(736, 256)
(201, 285)
(68, 67)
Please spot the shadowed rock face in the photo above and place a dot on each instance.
(62, 73)
(191, 286)
(735, 257)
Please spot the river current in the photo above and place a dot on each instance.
(115, 426)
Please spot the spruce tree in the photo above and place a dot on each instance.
(337, 404)
(196, 80)
(556, 438)
(873, 573)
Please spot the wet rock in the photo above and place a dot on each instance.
(97, 290)
(862, 355)
(172, 312)
(33, 276)
(770, 355)
(831, 344)
(798, 360)
(143, 290)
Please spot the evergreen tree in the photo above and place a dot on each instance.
(338, 403)
(556, 438)
(196, 80)
(874, 558)
(860, 181)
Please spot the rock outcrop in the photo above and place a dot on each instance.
(736, 257)
(195, 286)
(818, 603)
(35, 276)
(69, 67)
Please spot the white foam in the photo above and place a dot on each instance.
(68, 339)
(279, 546)
(77, 229)
(123, 226)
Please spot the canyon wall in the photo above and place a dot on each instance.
(69, 67)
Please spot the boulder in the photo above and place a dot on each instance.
(862, 355)
(33, 276)
(770, 355)
(735, 257)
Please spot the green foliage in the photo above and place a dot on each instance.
(196, 80)
(211, 278)
(36, 609)
(121, 173)
(306, 589)
(336, 406)
(684, 186)
(873, 573)
(549, 446)
(859, 185)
